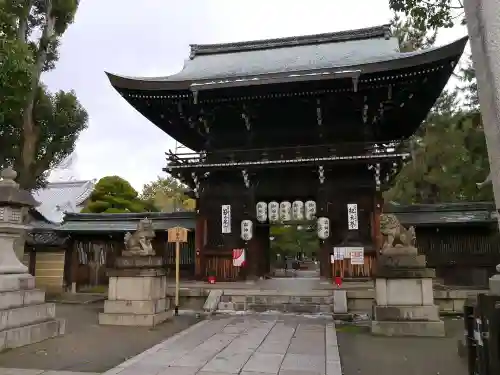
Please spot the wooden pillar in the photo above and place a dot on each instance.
(200, 241)
(324, 245)
(378, 203)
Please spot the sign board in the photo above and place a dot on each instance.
(226, 218)
(177, 234)
(357, 256)
(339, 253)
(238, 257)
(352, 216)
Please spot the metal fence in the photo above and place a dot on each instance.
(482, 335)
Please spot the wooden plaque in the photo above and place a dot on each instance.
(177, 234)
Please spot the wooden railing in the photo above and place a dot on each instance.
(358, 150)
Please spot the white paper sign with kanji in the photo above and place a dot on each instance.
(338, 253)
(352, 216)
(358, 256)
(226, 218)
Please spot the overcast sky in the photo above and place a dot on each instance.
(151, 38)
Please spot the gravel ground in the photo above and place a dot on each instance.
(86, 346)
(363, 354)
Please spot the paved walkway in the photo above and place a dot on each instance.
(23, 371)
(247, 345)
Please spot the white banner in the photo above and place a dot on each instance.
(352, 216)
(357, 255)
(226, 218)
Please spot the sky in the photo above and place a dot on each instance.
(151, 38)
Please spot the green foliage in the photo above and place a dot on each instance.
(38, 129)
(431, 14)
(168, 195)
(292, 239)
(410, 36)
(113, 194)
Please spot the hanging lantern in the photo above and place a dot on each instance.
(273, 211)
(323, 228)
(261, 212)
(310, 210)
(298, 210)
(285, 211)
(246, 230)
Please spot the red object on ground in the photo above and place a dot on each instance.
(211, 279)
(338, 281)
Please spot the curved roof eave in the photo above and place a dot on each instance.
(377, 64)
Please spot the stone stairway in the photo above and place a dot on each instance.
(25, 317)
(297, 296)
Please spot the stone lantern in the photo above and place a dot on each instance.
(14, 206)
(25, 318)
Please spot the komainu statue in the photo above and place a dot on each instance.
(395, 235)
(139, 243)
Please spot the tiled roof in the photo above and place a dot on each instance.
(57, 198)
(444, 213)
(124, 222)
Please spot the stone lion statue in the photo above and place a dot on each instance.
(139, 243)
(395, 235)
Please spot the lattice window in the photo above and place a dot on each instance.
(15, 215)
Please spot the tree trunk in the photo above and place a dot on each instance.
(30, 131)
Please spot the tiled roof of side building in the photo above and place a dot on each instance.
(57, 198)
(459, 213)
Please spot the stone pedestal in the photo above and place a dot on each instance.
(137, 294)
(404, 300)
(25, 318)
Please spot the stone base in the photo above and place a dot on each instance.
(406, 313)
(136, 300)
(31, 334)
(408, 328)
(136, 307)
(25, 318)
(136, 320)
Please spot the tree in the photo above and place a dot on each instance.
(41, 132)
(431, 14)
(113, 194)
(293, 239)
(168, 195)
(444, 171)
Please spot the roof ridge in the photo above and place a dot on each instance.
(382, 31)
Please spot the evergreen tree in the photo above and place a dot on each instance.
(38, 129)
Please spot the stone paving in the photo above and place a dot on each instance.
(246, 345)
(22, 371)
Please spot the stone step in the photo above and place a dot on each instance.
(26, 315)
(18, 298)
(299, 308)
(30, 334)
(137, 320)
